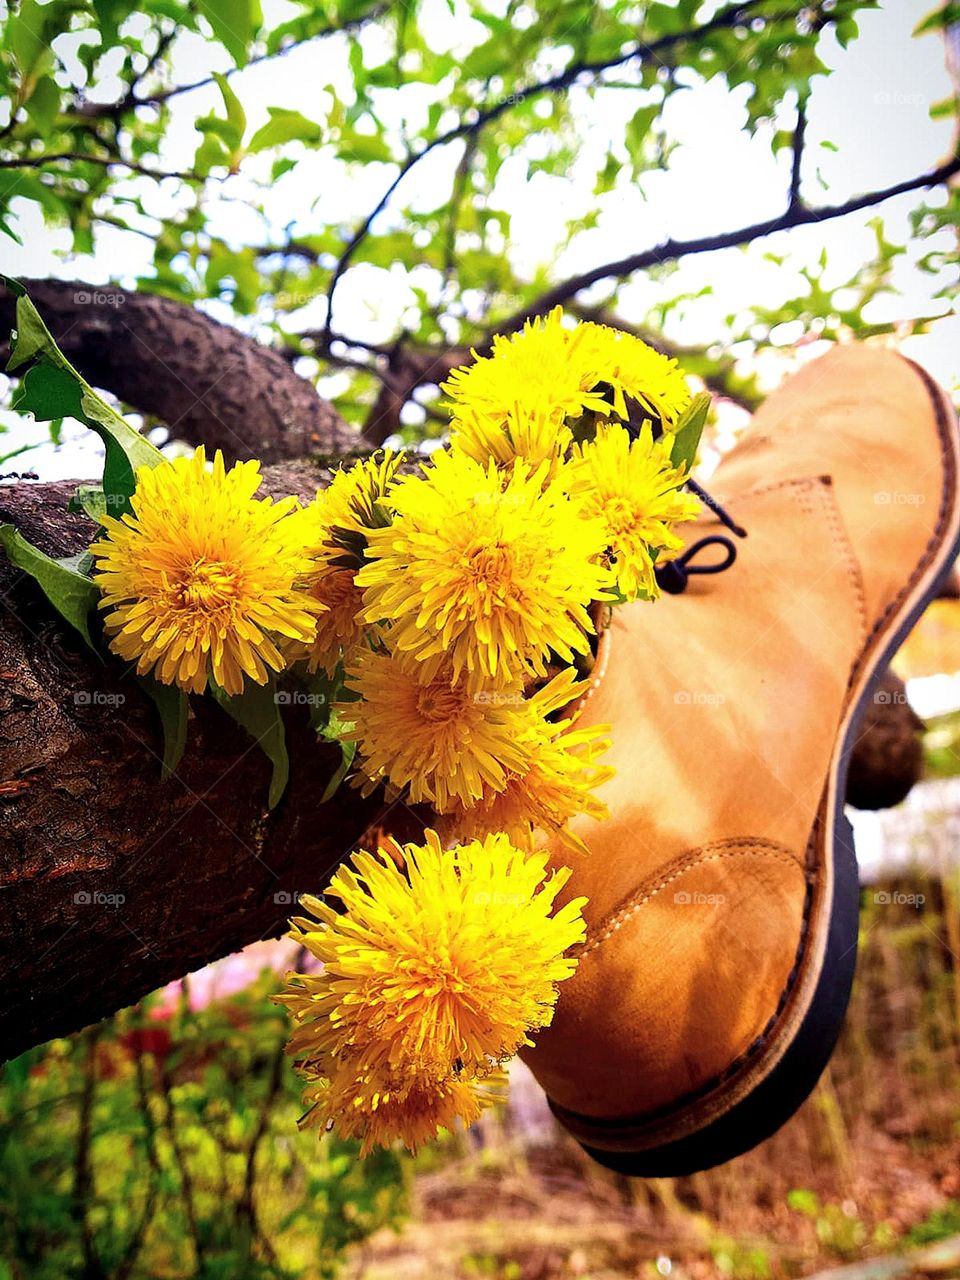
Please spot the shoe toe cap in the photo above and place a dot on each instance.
(678, 984)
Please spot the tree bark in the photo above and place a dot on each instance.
(112, 883)
(208, 383)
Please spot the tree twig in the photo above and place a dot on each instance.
(129, 102)
(669, 250)
(106, 162)
(799, 140)
(732, 16)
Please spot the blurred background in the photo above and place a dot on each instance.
(371, 189)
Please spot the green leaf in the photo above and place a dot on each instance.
(236, 116)
(31, 31)
(43, 104)
(110, 14)
(944, 108)
(72, 594)
(174, 709)
(285, 126)
(332, 731)
(348, 751)
(51, 388)
(90, 500)
(364, 148)
(638, 127)
(686, 437)
(234, 23)
(257, 710)
(944, 16)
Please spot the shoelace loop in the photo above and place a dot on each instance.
(674, 575)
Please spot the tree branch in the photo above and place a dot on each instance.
(670, 250)
(106, 162)
(130, 101)
(799, 140)
(732, 16)
(207, 382)
(111, 883)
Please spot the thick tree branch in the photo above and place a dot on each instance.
(112, 883)
(208, 383)
(670, 250)
(405, 371)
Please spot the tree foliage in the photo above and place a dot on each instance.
(98, 88)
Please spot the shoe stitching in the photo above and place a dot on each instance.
(714, 852)
(759, 1043)
(842, 542)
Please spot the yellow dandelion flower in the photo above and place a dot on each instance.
(338, 520)
(440, 963)
(413, 1115)
(201, 579)
(563, 771)
(339, 630)
(484, 572)
(334, 528)
(633, 370)
(438, 739)
(514, 402)
(523, 399)
(634, 489)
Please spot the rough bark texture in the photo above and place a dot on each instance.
(406, 371)
(208, 383)
(111, 883)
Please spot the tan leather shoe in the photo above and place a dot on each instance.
(722, 921)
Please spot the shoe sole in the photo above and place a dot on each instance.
(789, 1060)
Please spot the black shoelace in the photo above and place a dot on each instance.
(674, 575)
